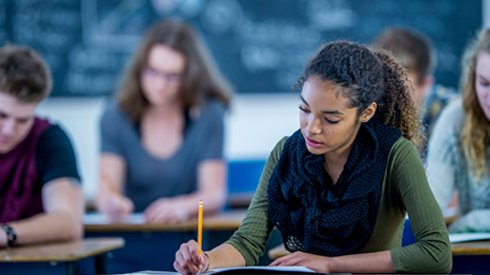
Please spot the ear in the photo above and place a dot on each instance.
(368, 113)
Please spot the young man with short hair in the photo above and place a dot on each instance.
(414, 52)
(41, 198)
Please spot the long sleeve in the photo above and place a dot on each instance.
(431, 252)
(250, 239)
(442, 156)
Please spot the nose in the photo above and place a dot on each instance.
(162, 80)
(313, 126)
(7, 127)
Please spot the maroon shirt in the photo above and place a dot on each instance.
(20, 183)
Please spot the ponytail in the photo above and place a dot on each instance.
(395, 106)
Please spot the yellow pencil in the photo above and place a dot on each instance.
(199, 229)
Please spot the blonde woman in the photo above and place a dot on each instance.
(458, 156)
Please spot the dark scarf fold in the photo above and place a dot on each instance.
(316, 216)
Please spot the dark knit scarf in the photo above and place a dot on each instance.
(316, 216)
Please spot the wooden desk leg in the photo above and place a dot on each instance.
(100, 267)
(72, 268)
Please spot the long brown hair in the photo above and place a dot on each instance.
(367, 76)
(201, 80)
(476, 131)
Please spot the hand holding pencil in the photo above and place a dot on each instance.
(190, 259)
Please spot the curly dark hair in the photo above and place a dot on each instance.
(365, 76)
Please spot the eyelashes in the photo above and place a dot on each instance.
(326, 119)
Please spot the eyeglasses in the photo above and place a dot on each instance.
(173, 78)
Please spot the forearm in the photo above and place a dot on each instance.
(225, 255)
(46, 227)
(376, 262)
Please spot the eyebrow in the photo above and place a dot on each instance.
(334, 112)
(17, 118)
(483, 77)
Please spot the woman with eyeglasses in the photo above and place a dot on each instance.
(162, 139)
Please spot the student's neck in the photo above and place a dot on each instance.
(335, 160)
(338, 157)
(165, 110)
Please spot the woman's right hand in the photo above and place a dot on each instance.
(116, 206)
(188, 260)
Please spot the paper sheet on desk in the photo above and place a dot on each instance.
(149, 272)
(262, 270)
(247, 270)
(98, 218)
(468, 237)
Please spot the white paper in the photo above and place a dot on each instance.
(99, 218)
(276, 268)
(467, 237)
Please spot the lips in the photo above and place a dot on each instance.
(4, 140)
(313, 143)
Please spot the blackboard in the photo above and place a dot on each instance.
(260, 45)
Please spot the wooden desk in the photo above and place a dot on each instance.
(145, 241)
(467, 248)
(228, 220)
(471, 248)
(468, 257)
(68, 253)
(471, 257)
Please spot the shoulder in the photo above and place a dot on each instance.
(453, 115)
(55, 155)
(114, 119)
(401, 150)
(277, 150)
(212, 112)
(402, 146)
(213, 107)
(54, 141)
(113, 112)
(52, 136)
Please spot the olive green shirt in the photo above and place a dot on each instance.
(404, 190)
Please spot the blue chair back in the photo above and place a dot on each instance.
(244, 175)
(407, 237)
(243, 178)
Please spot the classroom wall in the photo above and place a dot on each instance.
(486, 13)
(253, 126)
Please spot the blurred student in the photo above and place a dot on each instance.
(339, 188)
(162, 140)
(41, 198)
(413, 50)
(458, 155)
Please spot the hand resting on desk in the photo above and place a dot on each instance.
(166, 210)
(317, 263)
(116, 206)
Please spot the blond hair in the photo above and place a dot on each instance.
(475, 135)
